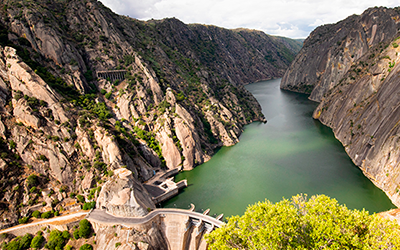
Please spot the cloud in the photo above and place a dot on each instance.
(292, 18)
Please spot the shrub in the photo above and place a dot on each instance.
(86, 247)
(47, 215)
(66, 235)
(36, 214)
(76, 234)
(117, 244)
(25, 242)
(107, 95)
(37, 241)
(32, 190)
(85, 228)
(23, 220)
(56, 240)
(80, 198)
(89, 205)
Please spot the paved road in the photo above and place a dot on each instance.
(56, 220)
(103, 217)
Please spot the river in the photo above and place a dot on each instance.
(291, 154)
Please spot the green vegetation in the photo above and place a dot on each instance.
(151, 141)
(86, 246)
(47, 215)
(317, 223)
(80, 198)
(19, 243)
(89, 205)
(57, 240)
(85, 229)
(37, 241)
(23, 220)
(36, 214)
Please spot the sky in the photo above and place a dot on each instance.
(289, 18)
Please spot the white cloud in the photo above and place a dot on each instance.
(293, 18)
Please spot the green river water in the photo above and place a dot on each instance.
(292, 153)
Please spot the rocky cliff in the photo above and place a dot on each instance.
(85, 93)
(352, 68)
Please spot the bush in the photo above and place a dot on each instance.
(23, 220)
(32, 180)
(32, 190)
(47, 215)
(80, 198)
(89, 205)
(19, 243)
(76, 234)
(25, 242)
(117, 244)
(107, 95)
(37, 242)
(66, 235)
(36, 214)
(86, 247)
(317, 223)
(57, 240)
(85, 228)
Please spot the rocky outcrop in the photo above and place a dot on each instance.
(123, 197)
(357, 81)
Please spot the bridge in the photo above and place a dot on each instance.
(112, 75)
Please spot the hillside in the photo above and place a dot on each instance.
(351, 68)
(85, 92)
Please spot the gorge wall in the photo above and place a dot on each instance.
(351, 68)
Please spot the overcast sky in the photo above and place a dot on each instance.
(290, 18)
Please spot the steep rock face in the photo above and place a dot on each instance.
(122, 196)
(330, 50)
(357, 81)
(363, 112)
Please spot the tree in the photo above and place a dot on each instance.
(86, 247)
(57, 240)
(85, 228)
(317, 223)
(26, 241)
(37, 241)
(36, 214)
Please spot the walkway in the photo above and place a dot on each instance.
(59, 220)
